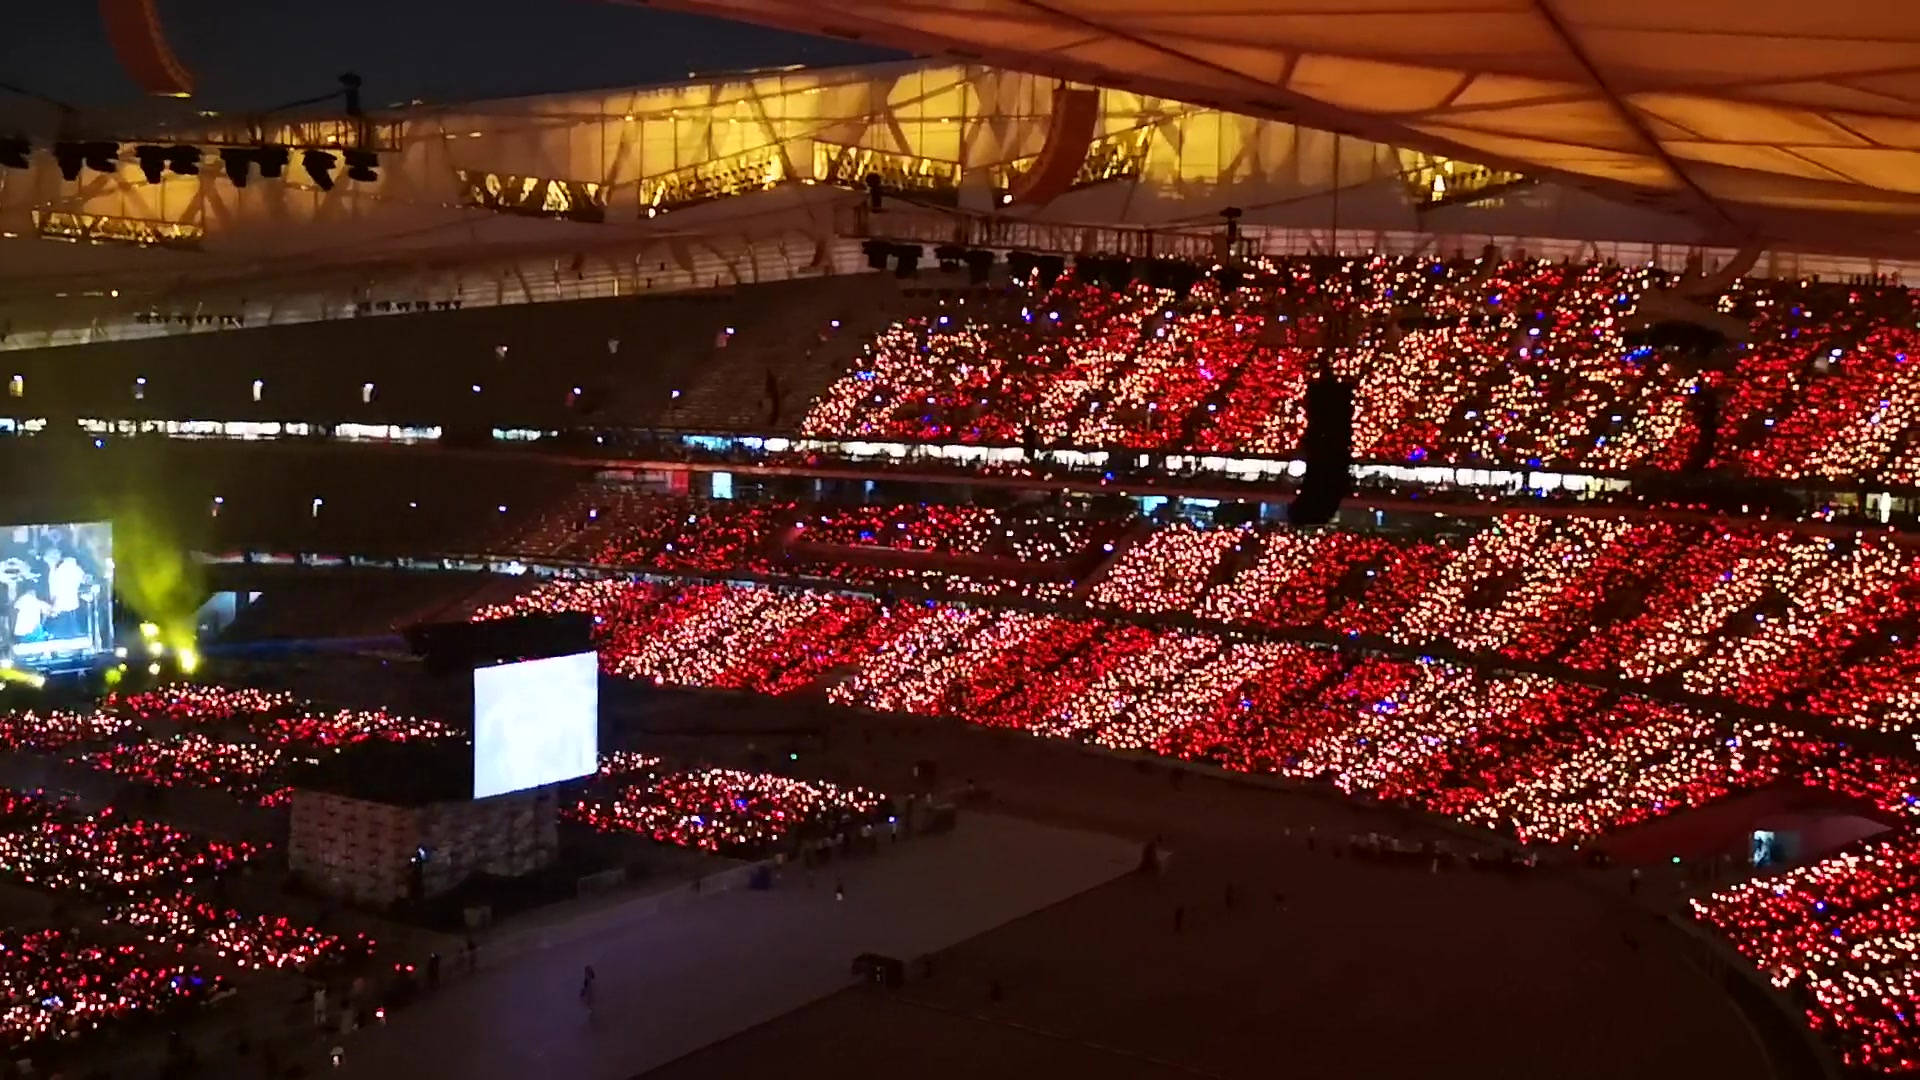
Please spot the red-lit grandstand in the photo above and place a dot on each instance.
(1618, 583)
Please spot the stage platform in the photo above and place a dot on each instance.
(675, 980)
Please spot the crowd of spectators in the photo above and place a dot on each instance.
(1524, 364)
(1840, 935)
(1583, 658)
(182, 921)
(726, 811)
(1759, 615)
(58, 729)
(55, 986)
(1539, 757)
(107, 853)
(251, 772)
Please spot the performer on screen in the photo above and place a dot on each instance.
(15, 575)
(64, 578)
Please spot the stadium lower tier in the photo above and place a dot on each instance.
(1843, 936)
(1543, 759)
(1755, 615)
(1538, 759)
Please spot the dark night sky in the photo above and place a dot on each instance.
(256, 54)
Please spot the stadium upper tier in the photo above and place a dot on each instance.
(1520, 365)
(727, 180)
(1460, 364)
(1783, 122)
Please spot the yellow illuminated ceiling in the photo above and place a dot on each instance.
(1759, 119)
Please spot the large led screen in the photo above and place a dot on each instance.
(535, 722)
(57, 584)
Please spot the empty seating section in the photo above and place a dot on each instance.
(634, 361)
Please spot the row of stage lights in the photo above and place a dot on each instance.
(156, 161)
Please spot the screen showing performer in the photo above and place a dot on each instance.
(56, 594)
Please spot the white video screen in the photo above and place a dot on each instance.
(56, 585)
(535, 722)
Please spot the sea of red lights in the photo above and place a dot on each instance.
(249, 771)
(107, 853)
(1757, 615)
(1539, 758)
(727, 811)
(58, 729)
(1843, 936)
(1543, 758)
(254, 942)
(54, 986)
(1518, 364)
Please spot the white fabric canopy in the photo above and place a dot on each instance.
(1796, 124)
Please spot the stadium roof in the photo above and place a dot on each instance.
(1760, 120)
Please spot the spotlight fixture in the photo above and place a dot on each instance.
(1049, 268)
(1232, 216)
(13, 153)
(361, 165)
(979, 266)
(272, 161)
(101, 157)
(319, 166)
(238, 163)
(157, 160)
(907, 260)
(350, 90)
(153, 162)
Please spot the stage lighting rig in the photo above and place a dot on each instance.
(319, 166)
(361, 165)
(238, 163)
(272, 161)
(98, 155)
(153, 162)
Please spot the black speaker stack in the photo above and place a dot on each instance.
(454, 648)
(1328, 450)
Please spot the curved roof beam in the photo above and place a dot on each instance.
(133, 27)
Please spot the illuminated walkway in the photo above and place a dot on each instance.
(673, 982)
